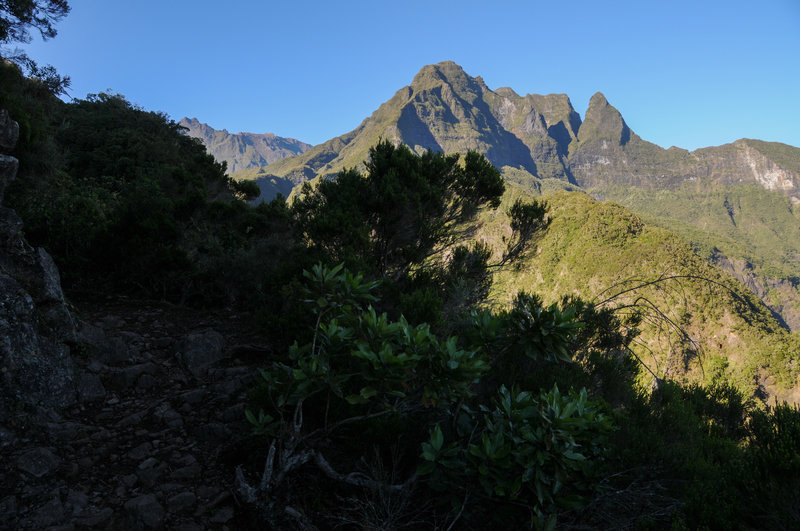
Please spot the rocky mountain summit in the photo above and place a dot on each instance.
(243, 150)
(607, 153)
(537, 138)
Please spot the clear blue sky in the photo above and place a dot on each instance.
(688, 73)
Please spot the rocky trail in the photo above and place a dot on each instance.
(156, 432)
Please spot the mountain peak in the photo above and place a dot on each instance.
(446, 72)
(506, 92)
(444, 68)
(598, 100)
(603, 122)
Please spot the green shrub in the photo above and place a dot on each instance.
(538, 452)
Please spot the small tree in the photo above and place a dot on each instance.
(358, 369)
(403, 211)
(404, 221)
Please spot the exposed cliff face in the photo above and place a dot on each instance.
(603, 123)
(608, 153)
(545, 124)
(780, 295)
(243, 150)
(747, 161)
(447, 110)
(35, 325)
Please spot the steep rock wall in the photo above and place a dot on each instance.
(36, 327)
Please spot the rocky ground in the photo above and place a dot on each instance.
(157, 431)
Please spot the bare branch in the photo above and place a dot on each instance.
(460, 511)
(661, 279)
(298, 417)
(269, 465)
(357, 479)
(249, 493)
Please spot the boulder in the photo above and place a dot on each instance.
(202, 350)
(144, 512)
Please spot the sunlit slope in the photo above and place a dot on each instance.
(751, 232)
(600, 251)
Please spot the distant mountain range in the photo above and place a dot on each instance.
(243, 150)
(537, 138)
(736, 205)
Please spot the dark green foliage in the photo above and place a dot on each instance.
(104, 135)
(527, 221)
(524, 342)
(467, 272)
(673, 438)
(364, 381)
(538, 452)
(365, 359)
(405, 219)
(30, 103)
(775, 440)
(128, 184)
(539, 332)
(772, 478)
(246, 190)
(400, 213)
(137, 206)
(730, 464)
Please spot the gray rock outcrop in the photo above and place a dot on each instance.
(35, 324)
(148, 444)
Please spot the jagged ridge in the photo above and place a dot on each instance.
(243, 150)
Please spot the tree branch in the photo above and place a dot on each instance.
(358, 479)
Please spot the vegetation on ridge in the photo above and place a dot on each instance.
(594, 250)
(539, 142)
(744, 223)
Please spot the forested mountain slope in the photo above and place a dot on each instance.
(736, 204)
(700, 324)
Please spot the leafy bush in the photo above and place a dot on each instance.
(137, 206)
(374, 382)
(537, 451)
(772, 476)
